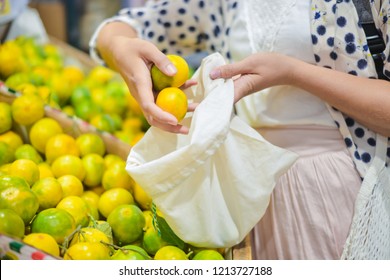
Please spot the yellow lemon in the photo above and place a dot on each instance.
(42, 130)
(101, 74)
(25, 168)
(68, 165)
(27, 109)
(71, 185)
(89, 234)
(174, 101)
(5, 117)
(77, 207)
(12, 139)
(43, 242)
(112, 198)
(117, 177)
(141, 197)
(111, 159)
(45, 170)
(48, 191)
(87, 251)
(170, 253)
(161, 81)
(59, 145)
(91, 198)
(73, 74)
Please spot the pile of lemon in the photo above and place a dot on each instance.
(70, 198)
(97, 95)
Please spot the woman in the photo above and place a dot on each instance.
(303, 85)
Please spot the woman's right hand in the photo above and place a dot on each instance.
(133, 58)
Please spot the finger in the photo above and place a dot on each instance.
(189, 83)
(181, 129)
(192, 107)
(161, 61)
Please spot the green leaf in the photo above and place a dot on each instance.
(168, 235)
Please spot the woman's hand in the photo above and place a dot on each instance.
(133, 59)
(256, 72)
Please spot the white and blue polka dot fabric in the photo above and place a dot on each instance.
(186, 27)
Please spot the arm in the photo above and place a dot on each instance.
(365, 100)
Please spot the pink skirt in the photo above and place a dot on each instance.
(311, 208)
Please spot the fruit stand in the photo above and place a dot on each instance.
(116, 142)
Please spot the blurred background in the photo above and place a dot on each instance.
(73, 21)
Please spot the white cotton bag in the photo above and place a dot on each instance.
(214, 184)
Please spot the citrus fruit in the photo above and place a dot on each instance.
(55, 222)
(68, 165)
(208, 254)
(152, 241)
(112, 198)
(148, 214)
(94, 168)
(61, 87)
(127, 223)
(87, 251)
(130, 252)
(116, 176)
(20, 199)
(161, 81)
(170, 253)
(59, 145)
(43, 242)
(69, 110)
(103, 122)
(100, 74)
(27, 109)
(26, 169)
(91, 198)
(79, 94)
(45, 170)
(11, 223)
(71, 185)
(141, 197)
(90, 143)
(86, 110)
(4, 169)
(111, 159)
(48, 191)
(89, 234)
(27, 151)
(77, 207)
(41, 131)
(5, 117)
(73, 74)
(174, 101)
(13, 139)
(6, 154)
(13, 181)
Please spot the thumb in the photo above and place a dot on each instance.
(227, 71)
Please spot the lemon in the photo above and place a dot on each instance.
(42, 131)
(112, 198)
(174, 101)
(73, 74)
(91, 198)
(116, 176)
(100, 74)
(71, 185)
(90, 143)
(11, 223)
(87, 251)
(27, 109)
(111, 159)
(161, 81)
(90, 234)
(43, 242)
(77, 207)
(141, 197)
(68, 165)
(48, 191)
(12, 139)
(94, 168)
(45, 170)
(25, 168)
(5, 117)
(27, 151)
(59, 145)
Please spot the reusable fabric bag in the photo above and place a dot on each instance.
(214, 184)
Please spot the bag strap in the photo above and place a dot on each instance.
(374, 36)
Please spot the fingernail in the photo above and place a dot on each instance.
(171, 70)
(215, 74)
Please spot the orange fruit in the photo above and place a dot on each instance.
(103, 122)
(13, 181)
(116, 176)
(68, 165)
(87, 251)
(27, 151)
(112, 198)
(27, 109)
(112, 159)
(45, 170)
(170, 253)
(208, 254)
(12, 139)
(56, 222)
(174, 101)
(90, 143)
(5, 117)
(152, 241)
(59, 145)
(71, 185)
(43, 242)
(161, 81)
(127, 223)
(20, 199)
(94, 169)
(6, 154)
(48, 191)
(141, 197)
(26, 169)
(89, 234)
(77, 207)
(91, 198)
(130, 252)
(11, 223)
(41, 131)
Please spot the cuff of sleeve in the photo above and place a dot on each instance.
(93, 52)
